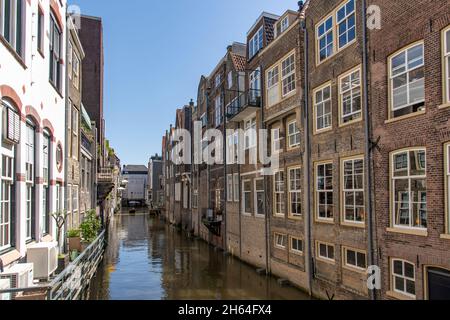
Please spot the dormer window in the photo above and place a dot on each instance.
(218, 80)
(284, 24)
(255, 43)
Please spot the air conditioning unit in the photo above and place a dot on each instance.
(19, 276)
(44, 257)
(5, 284)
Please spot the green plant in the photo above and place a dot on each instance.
(74, 233)
(90, 226)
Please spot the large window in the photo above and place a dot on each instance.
(322, 109)
(279, 193)
(403, 278)
(407, 81)
(355, 259)
(336, 31)
(288, 75)
(30, 152)
(409, 198)
(259, 197)
(250, 133)
(273, 90)
(247, 196)
(324, 192)
(293, 134)
(256, 43)
(6, 211)
(46, 184)
(276, 140)
(295, 192)
(446, 71)
(236, 187)
(287, 79)
(75, 129)
(76, 71)
(40, 31)
(350, 97)
(11, 16)
(55, 53)
(353, 190)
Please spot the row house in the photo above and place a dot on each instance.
(154, 182)
(32, 94)
(356, 108)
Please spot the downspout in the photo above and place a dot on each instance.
(307, 155)
(368, 151)
(225, 171)
(66, 141)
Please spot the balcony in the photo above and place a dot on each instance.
(105, 180)
(244, 105)
(212, 220)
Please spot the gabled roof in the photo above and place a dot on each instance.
(135, 168)
(239, 61)
(263, 15)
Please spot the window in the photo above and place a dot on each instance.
(246, 196)
(11, 130)
(75, 129)
(218, 110)
(229, 187)
(58, 193)
(30, 151)
(76, 71)
(280, 240)
(46, 188)
(403, 277)
(446, 71)
(29, 212)
(218, 80)
(273, 91)
(353, 190)
(59, 157)
(350, 97)
(325, 38)
(279, 196)
(355, 259)
(40, 31)
(284, 25)
(407, 81)
(250, 133)
(6, 210)
(447, 175)
(325, 252)
(255, 43)
(288, 75)
(296, 245)
(259, 197)
(195, 199)
(276, 140)
(75, 206)
(11, 15)
(409, 198)
(236, 187)
(293, 134)
(324, 192)
(55, 54)
(255, 85)
(46, 157)
(345, 20)
(230, 79)
(322, 109)
(70, 59)
(295, 192)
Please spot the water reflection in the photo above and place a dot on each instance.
(148, 260)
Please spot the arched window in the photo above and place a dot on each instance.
(46, 153)
(11, 136)
(30, 157)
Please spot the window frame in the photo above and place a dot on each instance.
(291, 247)
(391, 108)
(323, 102)
(15, 39)
(316, 193)
(322, 258)
(274, 141)
(275, 78)
(447, 187)
(236, 188)
(445, 67)
(338, 23)
(296, 191)
(7, 180)
(250, 133)
(229, 187)
(40, 30)
(291, 73)
(290, 135)
(244, 195)
(56, 70)
(255, 196)
(282, 194)
(256, 43)
(392, 276)
(343, 190)
(342, 123)
(284, 238)
(345, 262)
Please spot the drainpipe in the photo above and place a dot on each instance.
(368, 153)
(225, 169)
(66, 143)
(307, 155)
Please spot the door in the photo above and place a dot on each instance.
(438, 284)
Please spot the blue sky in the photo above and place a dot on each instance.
(155, 53)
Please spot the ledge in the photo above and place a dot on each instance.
(445, 236)
(399, 296)
(411, 115)
(444, 106)
(10, 257)
(420, 233)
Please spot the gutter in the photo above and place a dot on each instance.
(368, 148)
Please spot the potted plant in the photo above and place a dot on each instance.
(74, 237)
(89, 229)
(60, 218)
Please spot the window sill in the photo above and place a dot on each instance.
(295, 218)
(444, 106)
(299, 254)
(41, 53)
(10, 257)
(411, 115)
(354, 269)
(317, 132)
(412, 232)
(399, 296)
(445, 236)
(324, 260)
(354, 225)
(13, 52)
(260, 216)
(56, 89)
(279, 216)
(47, 238)
(346, 124)
(324, 221)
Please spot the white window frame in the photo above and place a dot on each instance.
(6, 212)
(325, 191)
(277, 237)
(230, 79)
(70, 60)
(279, 190)
(352, 93)
(273, 86)
(230, 187)
(15, 41)
(326, 31)
(256, 193)
(291, 246)
(236, 187)
(297, 192)
(325, 258)
(256, 43)
(446, 64)
(406, 72)
(345, 20)
(398, 206)
(322, 104)
(250, 133)
(284, 24)
(76, 71)
(75, 198)
(276, 141)
(345, 262)
(293, 135)
(29, 212)
(288, 77)
(246, 193)
(354, 191)
(403, 277)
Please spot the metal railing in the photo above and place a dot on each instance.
(105, 175)
(73, 281)
(250, 98)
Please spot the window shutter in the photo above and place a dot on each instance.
(12, 133)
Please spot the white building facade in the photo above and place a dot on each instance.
(136, 189)
(32, 93)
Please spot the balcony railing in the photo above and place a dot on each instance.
(246, 101)
(105, 175)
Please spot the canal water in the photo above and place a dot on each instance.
(149, 260)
